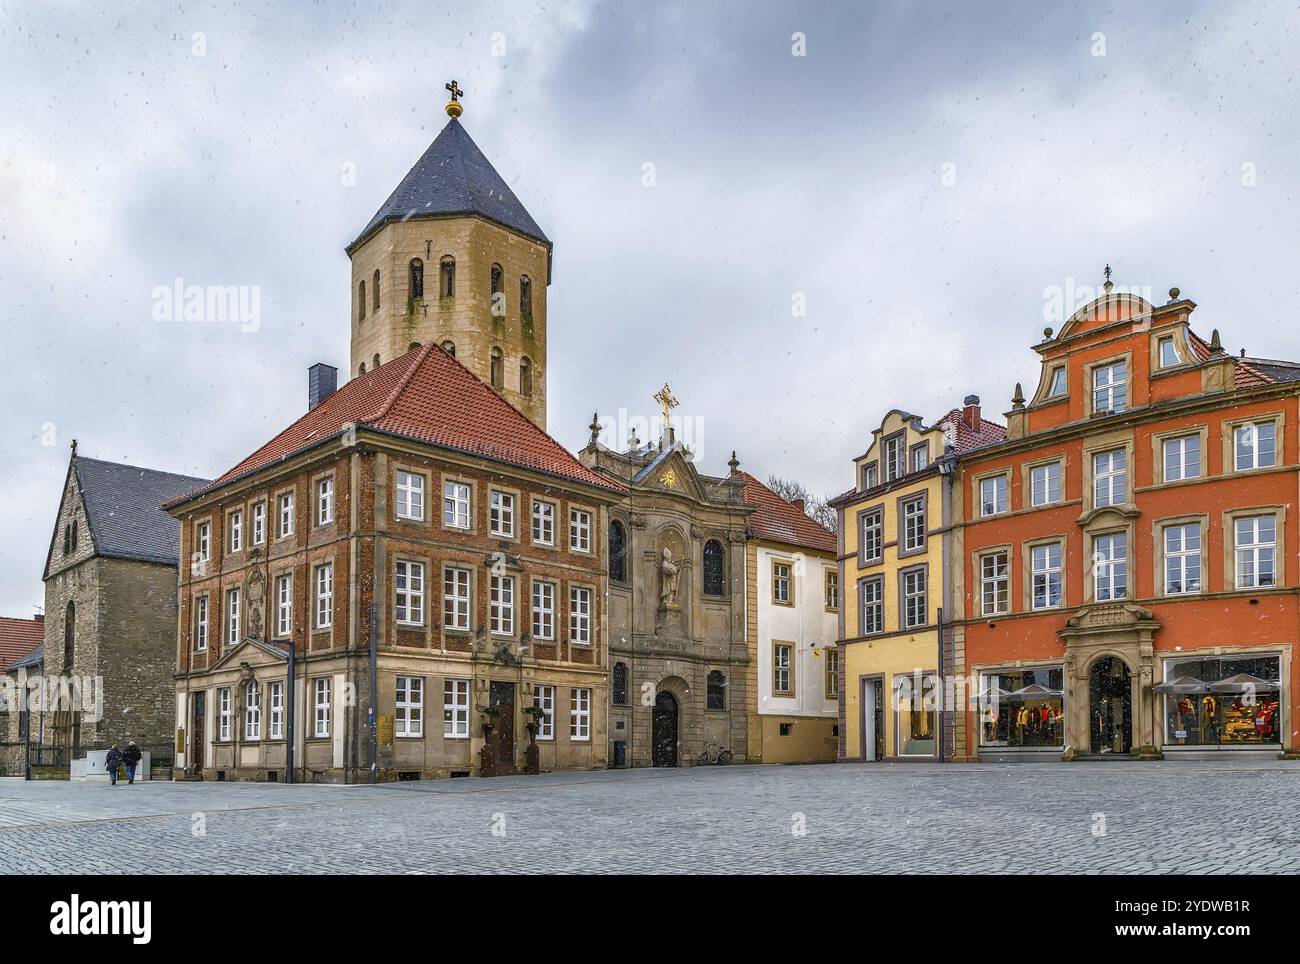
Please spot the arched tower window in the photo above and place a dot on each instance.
(620, 684)
(716, 691)
(715, 569)
(362, 370)
(447, 277)
(376, 360)
(497, 294)
(417, 279)
(69, 636)
(361, 301)
(525, 298)
(498, 368)
(617, 552)
(412, 346)
(375, 286)
(450, 348)
(525, 377)
(74, 535)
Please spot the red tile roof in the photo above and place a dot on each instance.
(1244, 375)
(18, 637)
(427, 396)
(780, 521)
(965, 437)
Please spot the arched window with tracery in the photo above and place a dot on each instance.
(715, 569)
(617, 552)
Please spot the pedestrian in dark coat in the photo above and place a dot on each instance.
(113, 761)
(131, 757)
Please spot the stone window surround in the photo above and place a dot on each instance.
(901, 437)
(277, 496)
(591, 614)
(517, 496)
(206, 622)
(1230, 427)
(1130, 571)
(554, 544)
(410, 560)
(511, 609)
(829, 573)
(1027, 568)
(862, 475)
(592, 516)
(442, 596)
(1089, 367)
(903, 573)
(1158, 536)
(198, 553)
(457, 479)
(790, 668)
(253, 540)
(316, 569)
(829, 692)
(1230, 518)
(533, 583)
(1158, 441)
(316, 480)
(1186, 359)
(789, 564)
(924, 498)
(273, 599)
(977, 563)
(911, 456)
(409, 704)
(1027, 480)
(977, 493)
(1044, 393)
(863, 515)
(237, 512)
(425, 474)
(862, 583)
(1107, 443)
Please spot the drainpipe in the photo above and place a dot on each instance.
(288, 713)
(947, 467)
(374, 696)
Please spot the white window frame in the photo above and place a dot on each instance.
(236, 521)
(543, 610)
(233, 616)
(455, 709)
(1161, 343)
(1110, 386)
(916, 601)
(1046, 576)
(544, 699)
(285, 510)
(1250, 434)
(1000, 500)
(201, 623)
(995, 583)
(543, 523)
(1044, 472)
(456, 499)
(259, 523)
(579, 530)
(1053, 391)
(873, 522)
(781, 583)
(323, 583)
(874, 605)
(1183, 557)
(894, 457)
(325, 500)
(782, 658)
(579, 715)
(1178, 447)
(1109, 484)
(409, 495)
(204, 540)
(321, 707)
(580, 615)
(224, 714)
(456, 598)
(284, 605)
(408, 592)
(501, 605)
(1110, 574)
(408, 706)
(252, 711)
(914, 512)
(501, 513)
(275, 708)
(1257, 551)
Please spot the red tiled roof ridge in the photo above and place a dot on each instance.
(18, 637)
(779, 520)
(401, 384)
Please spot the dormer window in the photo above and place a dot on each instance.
(920, 456)
(1056, 382)
(1110, 388)
(1168, 352)
(870, 476)
(895, 458)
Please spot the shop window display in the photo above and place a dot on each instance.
(916, 721)
(1022, 708)
(1222, 702)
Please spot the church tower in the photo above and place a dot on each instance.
(453, 257)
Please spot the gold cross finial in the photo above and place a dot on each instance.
(668, 400)
(453, 105)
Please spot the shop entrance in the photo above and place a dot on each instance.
(873, 719)
(1110, 706)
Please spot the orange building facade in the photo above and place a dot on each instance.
(1130, 552)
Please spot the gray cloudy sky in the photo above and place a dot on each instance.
(129, 161)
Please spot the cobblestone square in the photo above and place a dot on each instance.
(1107, 818)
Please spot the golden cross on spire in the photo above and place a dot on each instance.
(668, 400)
(453, 105)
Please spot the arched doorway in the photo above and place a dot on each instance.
(1110, 706)
(663, 731)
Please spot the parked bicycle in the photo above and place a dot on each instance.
(714, 754)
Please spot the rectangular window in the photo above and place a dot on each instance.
(781, 653)
(501, 514)
(236, 530)
(915, 609)
(870, 476)
(914, 525)
(322, 706)
(223, 713)
(920, 456)
(1110, 566)
(325, 596)
(872, 606)
(259, 523)
(455, 505)
(579, 615)
(544, 610)
(872, 534)
(832, 590)
(1239, 714)
(409, 706)
(1255, 445)
(1182, 458)
(275, 724)
(544, 700)
(993, 495)
(455, 598)
(995, 583)
(201, 623)
(1010, 717)
(1045, 484)
(284, 605)
(252, 712)
(1110, 388)
(409, 603)
(544, 523)
(1256, 551)
(1168, 353)
(325, 501)
(455, 708)
(781, 580)
(286, 514)
(1056, 385)
(410, 496)
(232, 617)
(895, 464)
(1109, 478)
(580, 715)
(502, 605)
(1045, 576)
(832, 673)
(916, 722)
(204, 541)
(579, 530)
(1182, 559)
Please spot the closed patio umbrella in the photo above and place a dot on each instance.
(1244, 683)
(1182, 686)
(1035, 691)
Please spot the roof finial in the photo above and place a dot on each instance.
(74, 448)
(733, 463)
(1216, 346)
(453, 105)
(1018, 399)
(594, 426)
(1108, 283)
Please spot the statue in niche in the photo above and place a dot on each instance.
(669, 575)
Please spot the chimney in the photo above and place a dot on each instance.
(970, 413)
(798, 504)
(322, 379)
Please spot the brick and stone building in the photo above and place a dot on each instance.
(21, 653)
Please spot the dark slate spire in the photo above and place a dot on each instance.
(453, 177)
